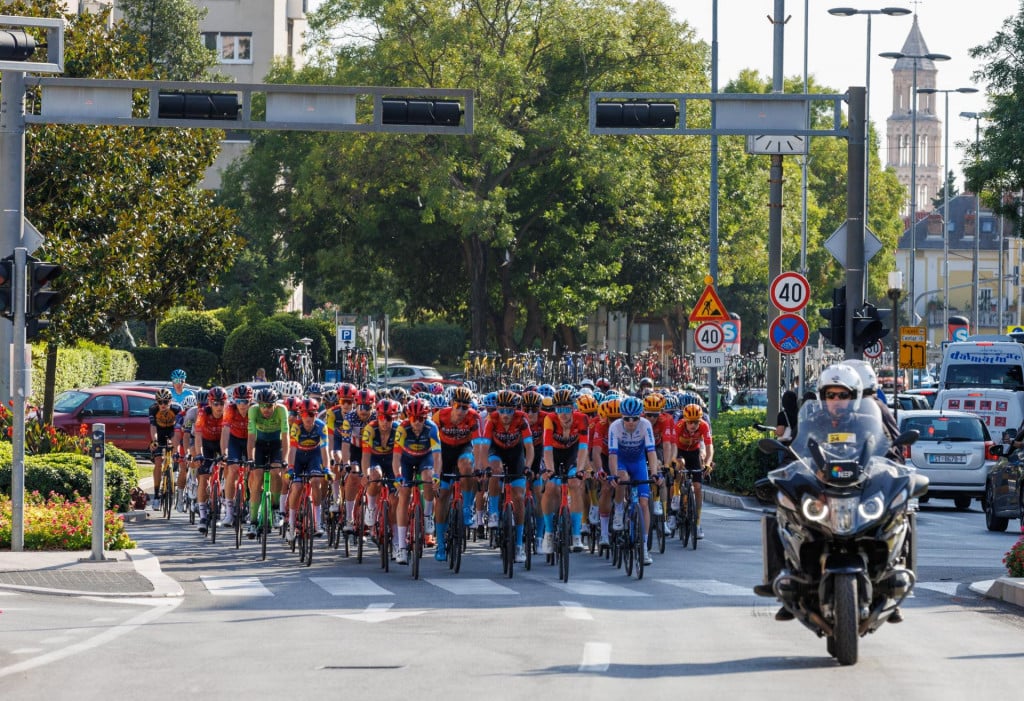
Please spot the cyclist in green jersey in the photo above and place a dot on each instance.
(268, 443)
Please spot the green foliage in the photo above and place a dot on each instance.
(157, 363)
(250, 346)
(169, 31)
(58, 523)
(69, 474)
(427, 344)
(1014, 559)
(83, 365)
(193, 329)
(738, 462)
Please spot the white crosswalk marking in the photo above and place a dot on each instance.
(473, 587)
(350, 586)
(942, 587)
(595, 587)
(596, 657)
(710, 587)
(575, 611)
(235, 586)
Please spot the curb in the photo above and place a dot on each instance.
(145, 564)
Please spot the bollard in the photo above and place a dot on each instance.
(99, 464)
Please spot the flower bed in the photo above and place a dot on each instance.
(58, 523)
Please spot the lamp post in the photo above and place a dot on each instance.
(977, 117)
(895, 290)
(850, 12)
(913, 159)
(945, 197)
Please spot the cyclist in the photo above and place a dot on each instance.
(664, 441)
(178, 390)
(697, 451)
(352, 456)
(378, 447)
(631, 454)
(417, 447)
(183, 439)
(337, 403)
(163, 415)
(307, 458)
(458, 427)
(509, 442)
(587, 405)
(233, 445)
(607, 411)
(532, 403)
(206, 447)
(267, 445)
(565, 447)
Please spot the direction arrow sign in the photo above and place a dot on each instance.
(376, 613)
(709, 307)
(709, 336)
(836, 244)
(788, 333)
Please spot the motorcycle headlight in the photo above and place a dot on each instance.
(814, 509)
(872, 508)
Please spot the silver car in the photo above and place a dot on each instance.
(955, 452)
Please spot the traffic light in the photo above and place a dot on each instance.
(198, 105)
(835, 332)
(636, 115)
(7, 287)
(16, 45)
(41, 298)
(867, 327)
(445, 113)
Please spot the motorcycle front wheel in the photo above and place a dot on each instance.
(843, 642)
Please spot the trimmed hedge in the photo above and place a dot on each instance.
(322, 333)
(157, 364)
(251, 346)
(738, 462)
(84, 365)
(68, 473)
(193, 329)
(427, 344)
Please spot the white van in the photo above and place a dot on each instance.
(1000, 409)
(983, 365)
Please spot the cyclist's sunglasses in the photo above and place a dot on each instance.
(216, 403)
(837, 395)
(457, 405)
(163, 401)
(365, 407)
(563, 409)
(506, 410)
(266, 405)
(630, 419)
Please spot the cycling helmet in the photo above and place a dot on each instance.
(546, 390)
(366, 396)
(587, 382)
(532, 401)
(279, 386)
(470, 385)
(692, 412)
(462, 395)
(517, 387)
(315, 388)
(267, 395)
(868, 378)
(437, 402)
(631, 407)
(599, 396)
(587, 404)
(507, 398)
(562, 397)
(841, 376)
(242, 393)
(671, 403)
(178, 375)
(436, 388)
(654, 403)
(292, 389)
(347, 390)
(162, 395)
(293, 404)
(202, 396)
(491, 401)
(418, 387)
(309, 406)
(388, 409)
(330, 398)
(417, 409)
(399, 394)
(217, 394)
(603, 384)
(646, 383)
(188, 401)
(609, 409)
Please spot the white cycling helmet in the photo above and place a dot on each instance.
(868, 378)
(292, 389)
(841, 376)
(278, 386)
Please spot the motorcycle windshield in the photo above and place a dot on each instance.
(846, 431)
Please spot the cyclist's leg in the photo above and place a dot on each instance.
(202, 492)
(576, 509)
(549, 505)
(156, 455)
(494, 488)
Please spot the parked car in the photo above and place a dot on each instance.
(750, 399)
(908, 401)
(955, 452)
(148, 386)
(927, 392)
(1004, 492)
(407, 374)
(124, 411)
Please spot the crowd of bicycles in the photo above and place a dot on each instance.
(532, 471)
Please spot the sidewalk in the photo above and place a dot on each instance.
(134, 573)
(1008, 589)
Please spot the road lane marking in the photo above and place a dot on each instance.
(576, 611)
(709, 587)
(473, 587)
(594, 587)
(235, 586)
(350, 586)
(949, 588)
(596, 657)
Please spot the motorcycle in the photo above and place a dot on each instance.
(839, 549)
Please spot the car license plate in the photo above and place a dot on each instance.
(945, 459)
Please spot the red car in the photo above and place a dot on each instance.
(124, 412)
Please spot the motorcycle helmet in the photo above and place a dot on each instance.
(868, 378)
(843, 377)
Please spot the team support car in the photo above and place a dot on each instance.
(124, 412)
(955, 452)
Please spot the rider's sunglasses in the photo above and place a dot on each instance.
(652, 416)
(366, 407)
(506, 410)
(837, 395)
(216, 403)
(464, 407)
(266, 405)
(630, 419)
(163, 401)
(563, 409)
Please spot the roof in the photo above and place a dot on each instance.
(959, 208)
(914, 46)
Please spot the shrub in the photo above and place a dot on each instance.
(250, 346)
(738, 462)
(426, 344)
(157, 364)
(193, 329)
(1014, 559)
(61, 524)
(84, 365)
(68, 475)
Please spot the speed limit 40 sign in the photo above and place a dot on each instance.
(709, 336)
(790, 292)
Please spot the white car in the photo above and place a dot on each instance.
(407, 374)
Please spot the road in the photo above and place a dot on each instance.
(692, 626)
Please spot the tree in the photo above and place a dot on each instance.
(939, 199)
(168, 31)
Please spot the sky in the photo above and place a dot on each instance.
(837, 48)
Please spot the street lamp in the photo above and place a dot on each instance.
(945, 197)
(977, 117)
(913, 160)
(850, 12)
(895, 290)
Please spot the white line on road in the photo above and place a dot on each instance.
(26, 650)
(594, 587)
(575, 611)
(596, 657)
(350, 586)
(709, 587)
(472, 587)
(942, 587)
(235, 586)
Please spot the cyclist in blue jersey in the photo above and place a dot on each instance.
(631, 455)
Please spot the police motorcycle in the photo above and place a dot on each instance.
(839, 549)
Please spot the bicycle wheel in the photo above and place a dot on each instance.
(656, 534)
(240, 505)
(508, 541)
(693, 518)
(629, 546)
(638, 543)
(307, 532)
(265, 522)
(167, 480)
(416, 531)
(564, 536)
(214, 511)
(457, 533)
(358, 514)
(529, 532)
(384, 531)
(683, 519)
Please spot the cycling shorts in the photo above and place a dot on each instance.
(308, 463)
(267, 453)
(452, 454)
(413, 465)
(383, 463)
(513, 459)
(237, 449)
(691, 461)
(638, 471)
(211, 454)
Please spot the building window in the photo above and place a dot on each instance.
(904, 149)
(922, 150)
(231, 47)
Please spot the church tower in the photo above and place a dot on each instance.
(929, 127)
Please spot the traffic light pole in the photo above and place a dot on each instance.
(855, 217)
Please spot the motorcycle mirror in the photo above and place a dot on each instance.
(907, 438)
(769, 446)
(764, 490)
(996, 450)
